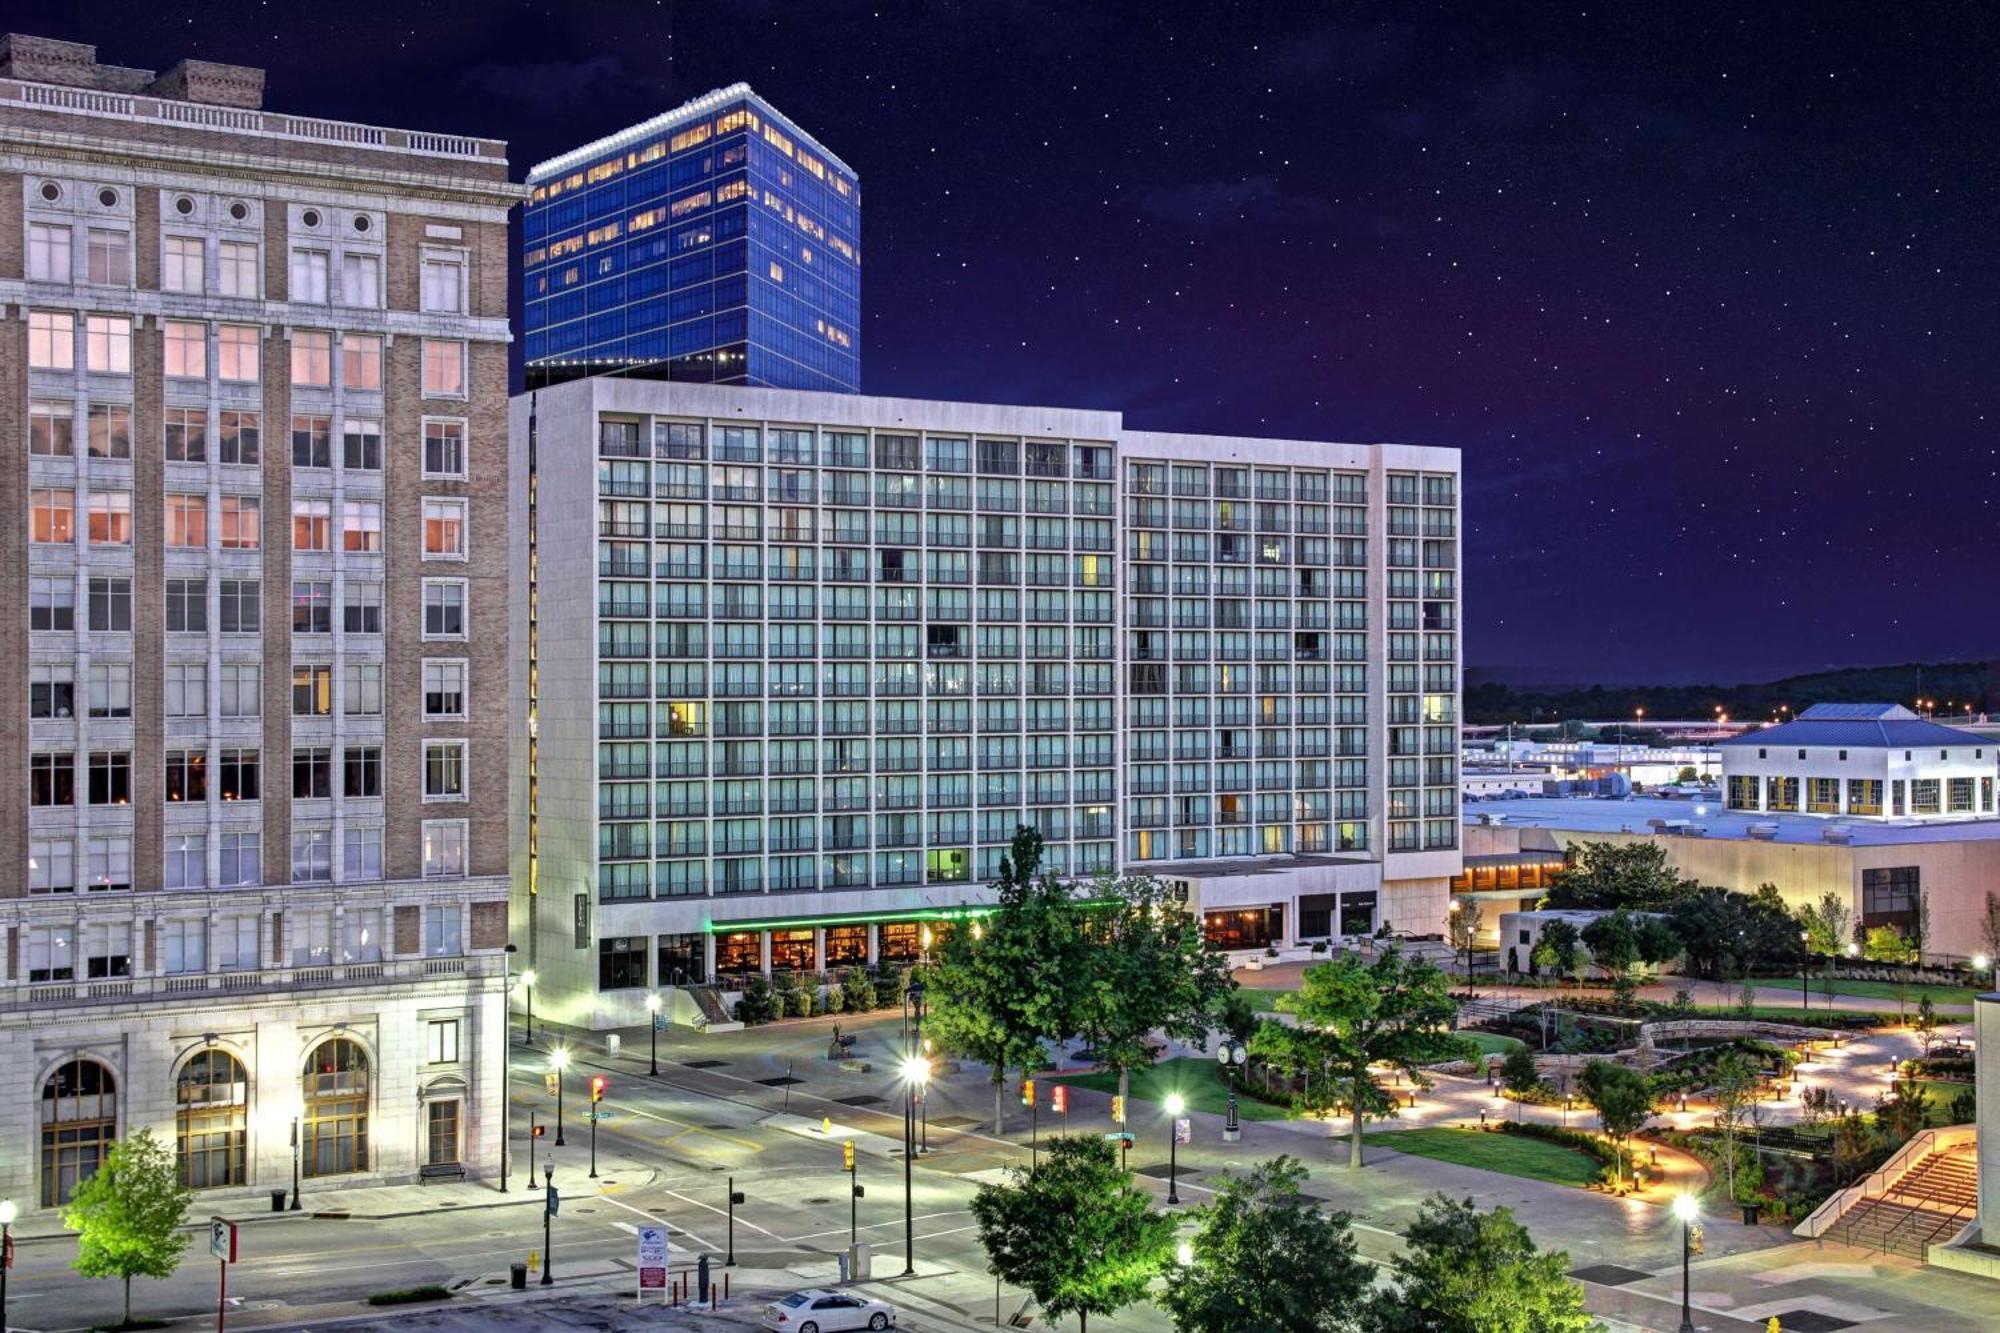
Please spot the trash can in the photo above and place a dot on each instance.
(1750, 1211)
(517, 1276)
(277, 1201)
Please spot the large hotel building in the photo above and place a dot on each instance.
(253, 721)
(795, 666)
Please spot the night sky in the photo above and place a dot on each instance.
(1706, 293)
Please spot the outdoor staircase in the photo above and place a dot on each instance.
(1928, 1204)
(710, 1004)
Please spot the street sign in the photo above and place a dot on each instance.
(1118, 1136)
(222, 1239)
(659, 1022)
(553, 1200)
(598, 1115)
(652, 1259)
(1183, 1131)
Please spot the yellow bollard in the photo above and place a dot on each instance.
(1771, 1325)
(826, 1124)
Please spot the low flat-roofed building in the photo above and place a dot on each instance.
(1879, 865)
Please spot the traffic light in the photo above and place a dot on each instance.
(1059, 1100)
(1027, 1092)
(598, 1083)
(847, 1155)
(1117, 1109)
(538, 1131)
(551, 1083)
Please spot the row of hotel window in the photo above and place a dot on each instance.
(107, 349)
(239, 606)
(1193, 480)
(102, 950)
(237, 438)
(106, 865)
(108, 775)
(185, 693)
(688, 441)
(318, 277)
(1822, 796)
(52, 515)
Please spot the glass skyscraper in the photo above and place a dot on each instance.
(715, 244)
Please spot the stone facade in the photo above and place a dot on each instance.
(371, 851)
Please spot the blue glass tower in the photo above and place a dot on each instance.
(717, 243)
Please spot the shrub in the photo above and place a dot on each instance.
(759, 1002)
(835, 1000)
(802, 1004)
(410, 1295)
(857, 990)
(889, 987)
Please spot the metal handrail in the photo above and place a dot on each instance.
(1876, 1183)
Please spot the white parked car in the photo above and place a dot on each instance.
(821, 1311)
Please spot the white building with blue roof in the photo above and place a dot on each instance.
(1861, 761)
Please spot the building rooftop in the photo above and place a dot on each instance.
(1631, 815)
(707, 104)
(1857, 726)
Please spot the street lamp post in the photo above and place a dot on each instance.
(1687, 1210)
(653, 1022)
(295, 1172)
(1805, 962)
(528, 990)
(916, 1070)
(560, 1059)
(548, 1214)
(1233, 1057)
(1175, 1104)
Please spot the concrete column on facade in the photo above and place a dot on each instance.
(874, 944)
(764, 952)
(1986, 1067)
(819, 948)
(707, 957)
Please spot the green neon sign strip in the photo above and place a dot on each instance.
(869, 918)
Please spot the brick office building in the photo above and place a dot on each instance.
(253, 731)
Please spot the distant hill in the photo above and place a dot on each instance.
(1949, 683)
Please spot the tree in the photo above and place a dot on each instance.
(1886, 944)
(128, 1216)
(1989, 925)
(1920, 928)
(1605, 876)
(1826, 924)
(1723, 933)
(1236, 1015)
(1687, 774)
(1735, 1087)
(1268, 1258)
(1150, 970)
(1623, 1100)
(996, 996)
(1471, 1272)
(1558, 949)
(1518, 1073)
(1073, 1230)
(1614, 946)
(1354, 1015)
(1903, 1111)
(1926, 1024)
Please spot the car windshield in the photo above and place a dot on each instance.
(797, 1298)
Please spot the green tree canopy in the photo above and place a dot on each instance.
(1074, 1230)
(1623, 1100)
(1724, 933)
(997, 996)
(1605, 876)
(1518, 1073)
(128, 1215)
(1267, 1258)
(1827, 924)
(1150, 970)
(1558, 949)
(1394, 1011)
(1471, 1272)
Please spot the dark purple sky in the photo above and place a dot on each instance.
(1706, 293)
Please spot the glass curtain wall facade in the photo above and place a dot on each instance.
(801, 664)
(715, 244)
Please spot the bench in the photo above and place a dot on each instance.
(440, 1171)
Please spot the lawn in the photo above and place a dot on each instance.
(1881, 990)
(1802, 1017)
(1494, 1043)
(1507, 1153)
(1197, 1080)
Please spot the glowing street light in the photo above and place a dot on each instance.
(1687, 1209)
(1175, 1105)
(915, 1071)
(559, 1061)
